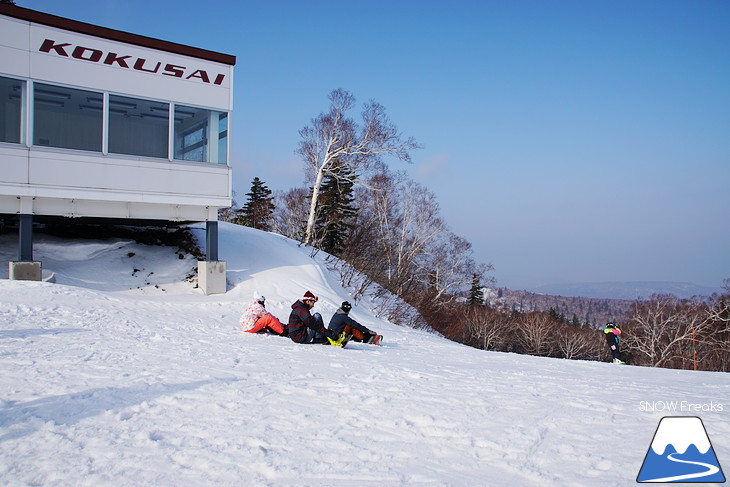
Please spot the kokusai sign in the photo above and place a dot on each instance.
(109, 58)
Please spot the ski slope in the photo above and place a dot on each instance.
(122, 374)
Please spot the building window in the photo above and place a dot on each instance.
(138, 127)
(70, 118)
(201, 135)
(222, 138)
(11, 113)
(67, 118)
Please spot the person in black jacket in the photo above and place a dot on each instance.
(307, 328)
(342, 322)
(612, 332)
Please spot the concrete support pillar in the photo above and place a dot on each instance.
(212, 277)
(211, 271)
(211, 240)
(25, 238)
(25, 269)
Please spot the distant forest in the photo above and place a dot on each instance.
(592, 312)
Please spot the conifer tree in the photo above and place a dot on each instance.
(554, 313)
(259, 207)
(476, 295)
(335, 210)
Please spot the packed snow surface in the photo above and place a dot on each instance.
(121, 373)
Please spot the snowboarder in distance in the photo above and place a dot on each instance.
(342, 322)
(612, 333)
(307, 328)
(256, 319)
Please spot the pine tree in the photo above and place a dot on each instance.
(554, 313)
(259, 207)
(335, 210)
(476, 295)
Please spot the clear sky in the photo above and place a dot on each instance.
(568, 141)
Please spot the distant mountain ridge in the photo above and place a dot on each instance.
(589, 303)
(591, 311)
(626, 290)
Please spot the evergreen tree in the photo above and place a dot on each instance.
(335, 210)
(476, 295)
(259, 207)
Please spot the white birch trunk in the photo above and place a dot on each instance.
(313, 205)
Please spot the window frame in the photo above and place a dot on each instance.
(76, 91)
(212, 132)
(22, 107)
(138, 99)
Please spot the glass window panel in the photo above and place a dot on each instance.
(198, 134)
(138, 127)
(11, 97)
(222, 138)
(67, 118)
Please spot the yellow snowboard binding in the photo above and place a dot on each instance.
(341, 341)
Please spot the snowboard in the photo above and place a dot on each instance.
(376, 340)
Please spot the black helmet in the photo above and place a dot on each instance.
(610, 325)
(346, 306)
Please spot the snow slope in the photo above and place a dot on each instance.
(108, 380)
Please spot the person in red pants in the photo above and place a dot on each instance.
(256, 319)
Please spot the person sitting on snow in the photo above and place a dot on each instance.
(256, 319)
(342, 322)
(307, 328)
(612, 332)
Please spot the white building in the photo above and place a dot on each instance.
(101, 123)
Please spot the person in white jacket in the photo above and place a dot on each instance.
(256, 319)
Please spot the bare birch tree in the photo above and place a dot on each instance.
(290, 212)
(333, 137)
(484, 328)
(661, 329)
(449, 266)
(576, 343)
(536, 334)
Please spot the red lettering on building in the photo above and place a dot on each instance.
(139, 66)
(113, 57)
(49, 45)
(175, 71)
(87, 54)
(125, 61)
(200, 74)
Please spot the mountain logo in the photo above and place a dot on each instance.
(681, 452)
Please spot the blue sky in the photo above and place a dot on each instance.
(568, 141)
